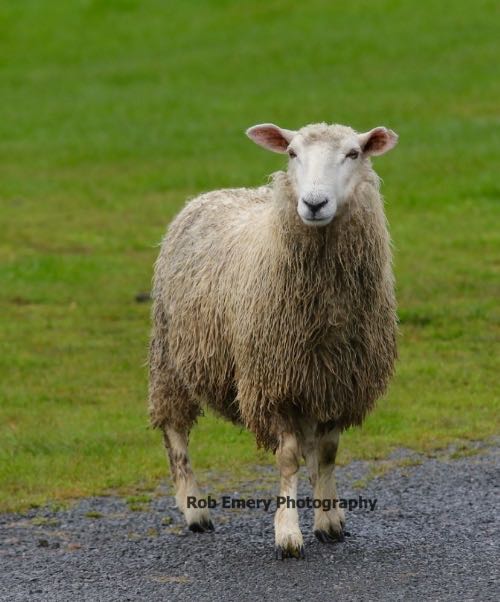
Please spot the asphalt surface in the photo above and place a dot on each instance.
(433, 535)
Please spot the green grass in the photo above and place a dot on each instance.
(114, 111)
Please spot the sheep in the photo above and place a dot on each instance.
(275, 307)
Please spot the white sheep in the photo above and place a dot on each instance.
(275, 306)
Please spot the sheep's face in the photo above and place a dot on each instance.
(326, 163)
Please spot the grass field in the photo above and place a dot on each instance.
(114, 111)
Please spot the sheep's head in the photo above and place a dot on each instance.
(326, 163)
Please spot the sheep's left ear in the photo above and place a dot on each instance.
(378, 141)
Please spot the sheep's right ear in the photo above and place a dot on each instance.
(271, 136)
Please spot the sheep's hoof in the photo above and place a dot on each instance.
(290, 552)
(330, 536)
(202, 526)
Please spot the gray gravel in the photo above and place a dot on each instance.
(432, 536)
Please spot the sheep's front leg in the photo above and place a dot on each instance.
(320, 452)
(197, 519)
(288, 538)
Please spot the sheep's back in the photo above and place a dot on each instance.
(194, 276)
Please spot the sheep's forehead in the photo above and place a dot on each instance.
(333, 135)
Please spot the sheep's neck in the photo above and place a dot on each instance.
(346, 259)
(300, 239)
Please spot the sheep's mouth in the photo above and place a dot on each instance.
(317, 222)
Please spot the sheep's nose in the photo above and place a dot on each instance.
(314, 205)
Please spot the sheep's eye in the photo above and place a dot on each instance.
(291, 153)
(353, 154)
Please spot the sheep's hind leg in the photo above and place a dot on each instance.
(320, 451)
(288, 537)
(176, 442)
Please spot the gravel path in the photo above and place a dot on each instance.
(432, 536)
